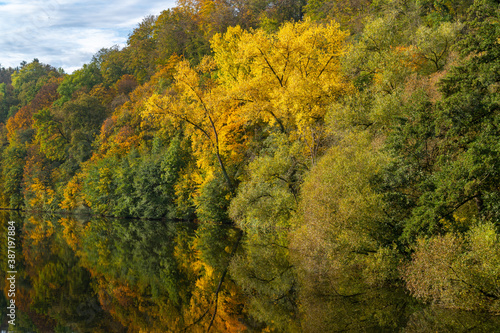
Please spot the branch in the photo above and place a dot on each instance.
(282, 128)
(459, 205)
(325, 66)
(216, 292)
(216, 144)
(235, 247)
(63, 136)
(286, 64)
(271, 68)
(198, 127)
(485, 293)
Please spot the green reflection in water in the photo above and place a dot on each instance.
(112, 275)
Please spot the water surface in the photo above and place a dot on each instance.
(80, 274)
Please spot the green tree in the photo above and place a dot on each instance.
(12, 173)
(350, 14)
(343, 232)
(178, 32)
(112, 64)
(269, 196)
(141, 50)
(81, 80)
(66, 133)
(30, 78)
(8, 97)
(448, 152)
(457, 270)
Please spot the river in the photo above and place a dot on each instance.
(82, 274)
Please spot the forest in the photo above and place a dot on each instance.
(361, 136)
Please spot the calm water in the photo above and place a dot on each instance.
(112, 275)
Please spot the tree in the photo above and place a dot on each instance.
(350, 14)
(141, 50)
(8, 97)
(12, 172)
(343, 234)
(50, 135)
(268, 196)
(112, 64)
(70, 130)
(178, 32)
(38, 182)
(286, 79)
(81, 80)
(448, 149)
(30, 78)
(457, 270)
(435, 44)
(194, 100)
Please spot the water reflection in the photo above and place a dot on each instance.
(263, 272)
(110, 275)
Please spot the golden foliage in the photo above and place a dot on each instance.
(72, 195)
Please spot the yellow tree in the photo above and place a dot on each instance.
(196, 101)
(288, 78)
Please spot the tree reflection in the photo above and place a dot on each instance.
(263, 271)
(164, 276)
(159, 276)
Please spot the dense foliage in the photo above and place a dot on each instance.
(361, 137)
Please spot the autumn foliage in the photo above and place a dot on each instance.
(358, 138)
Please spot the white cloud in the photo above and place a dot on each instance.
(66, 33)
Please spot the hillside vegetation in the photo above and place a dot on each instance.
(364, 135)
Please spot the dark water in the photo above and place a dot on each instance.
(112, 275)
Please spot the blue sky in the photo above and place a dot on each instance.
(66, 33)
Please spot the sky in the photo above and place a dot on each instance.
(67, 33)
